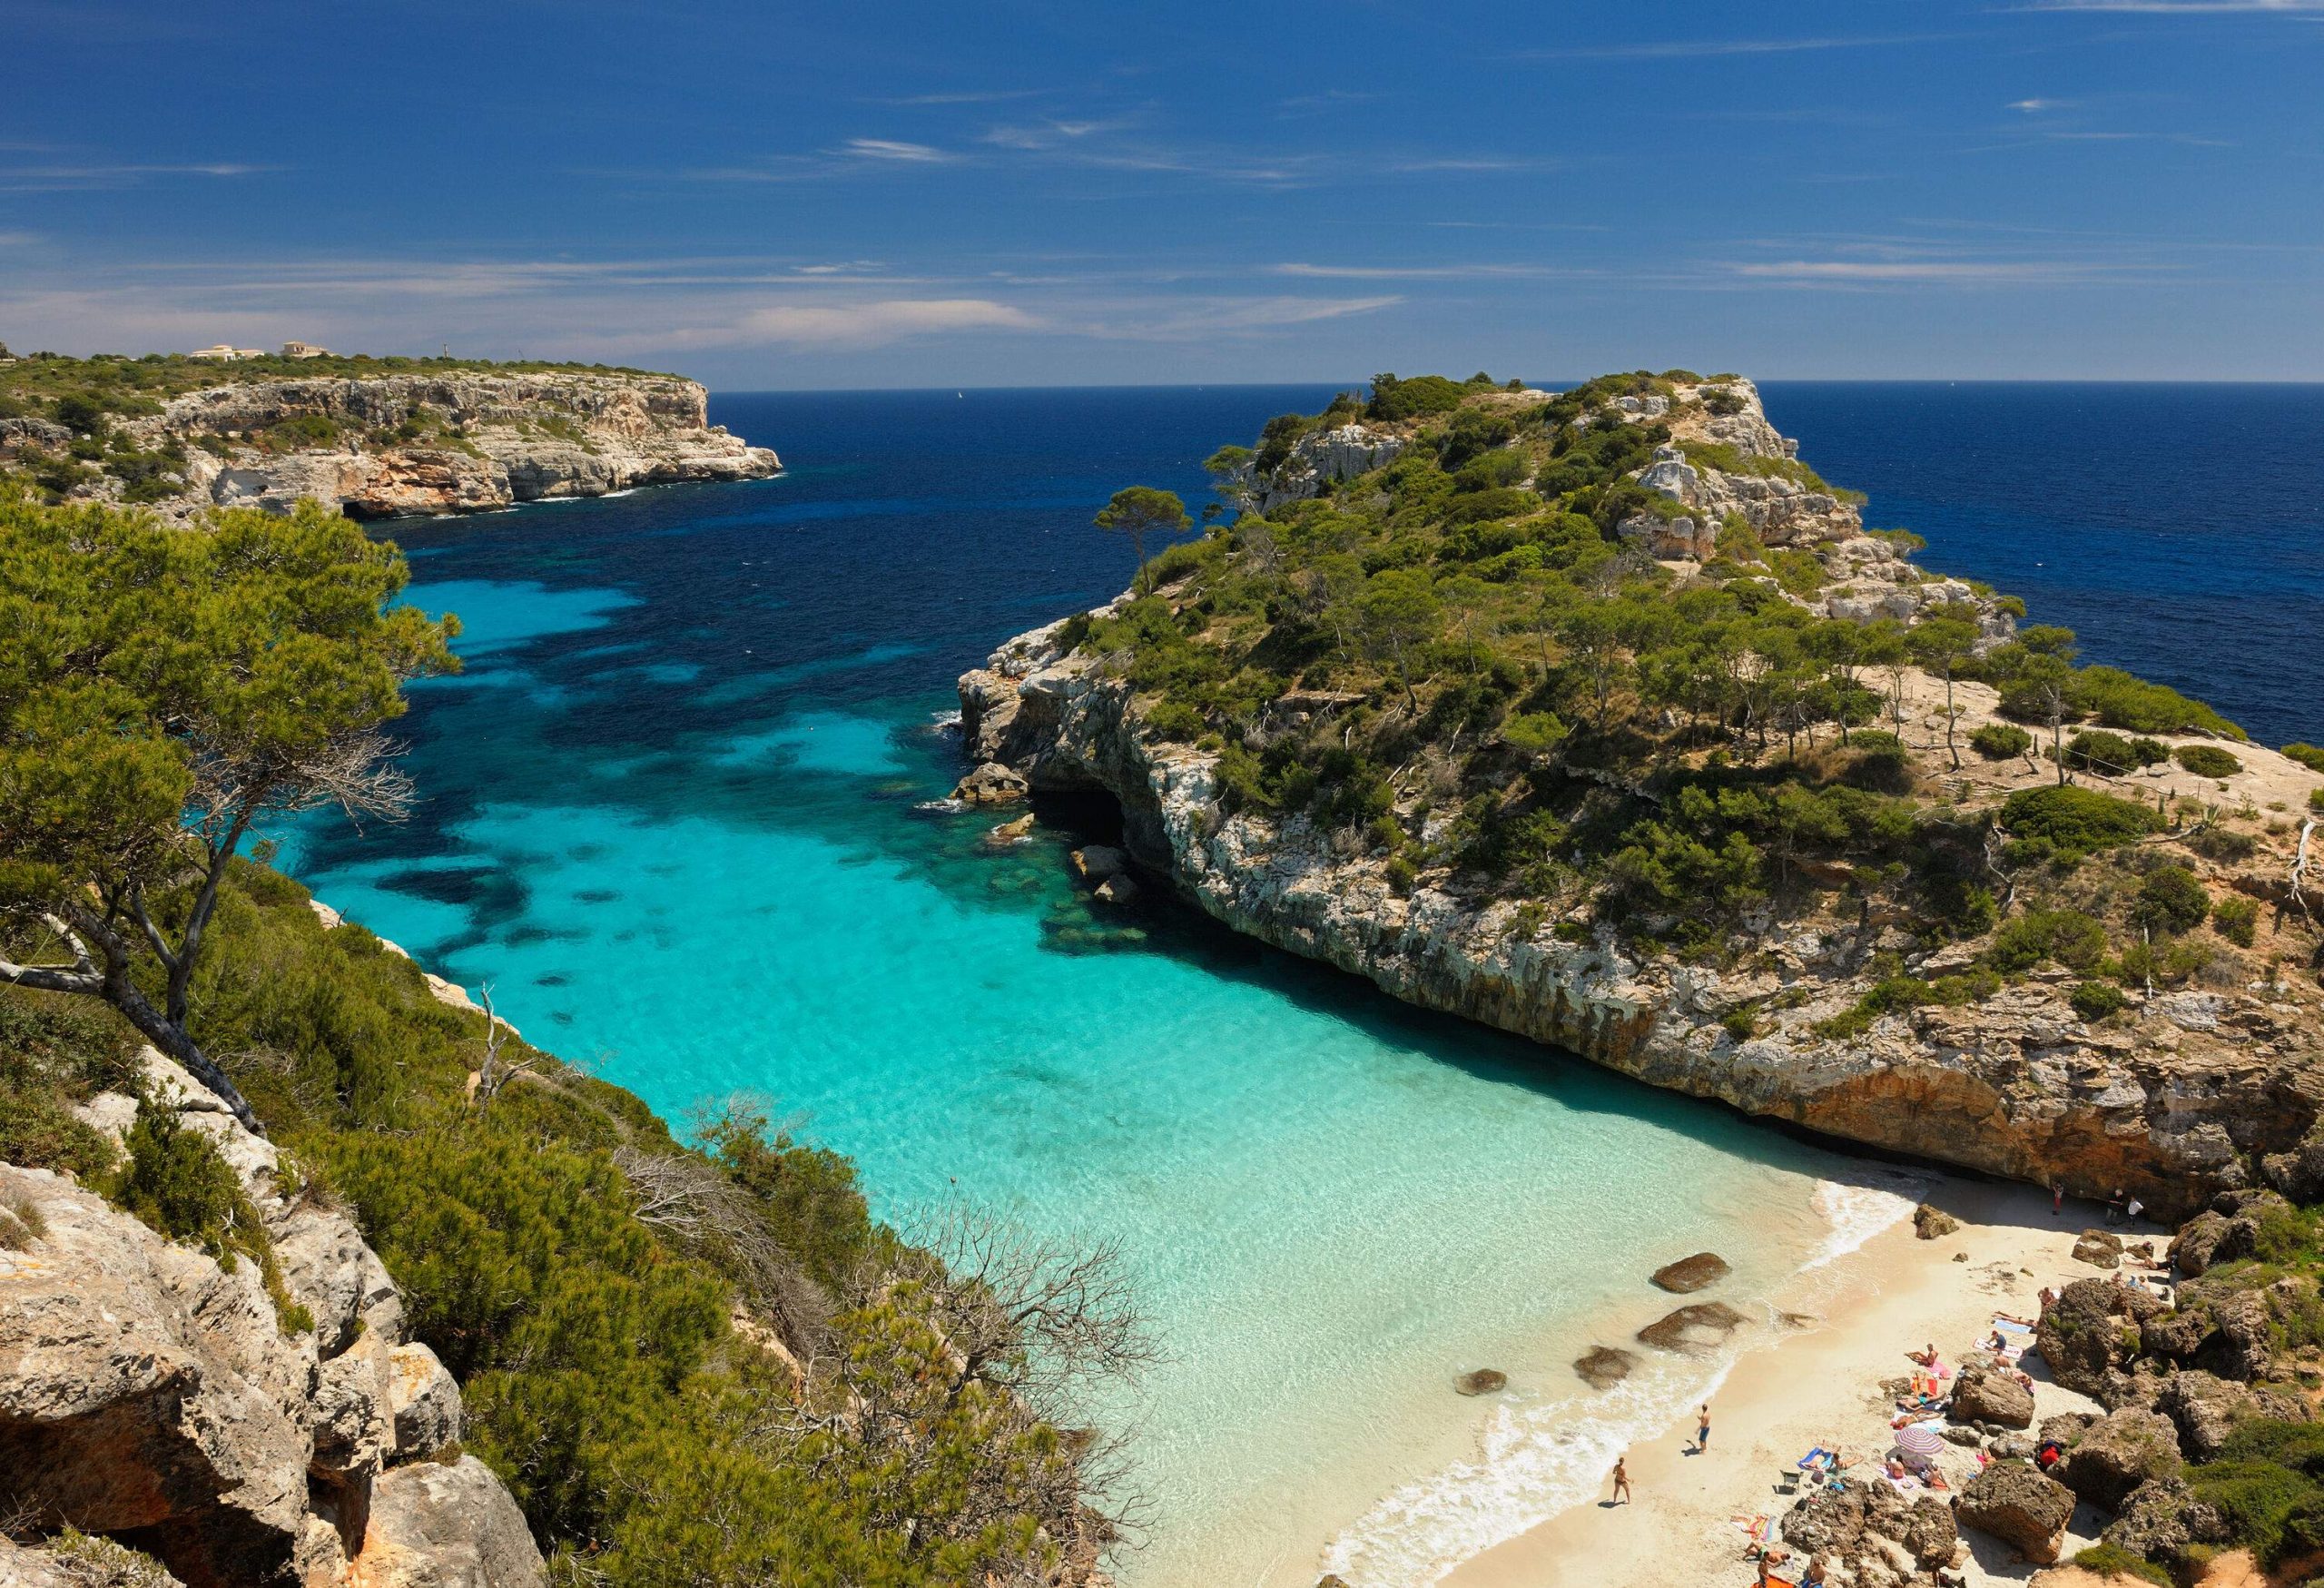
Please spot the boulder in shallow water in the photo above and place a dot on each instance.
(1117, 890)
(1481, 1381)
(1604, 1366)
(1696, 1329)
(1094, 862)
(990, 785)
(1010, 833)
(1688, 1275)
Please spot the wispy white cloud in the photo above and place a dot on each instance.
(877, 322)
(1453, 272)
(1477, 162)
(65, 177)
(1683, 49)
(893, 149)
(971, 96)
(1964, 272)
(1182, 320)
(2036, 106)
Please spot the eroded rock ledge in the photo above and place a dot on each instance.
(150, 1397)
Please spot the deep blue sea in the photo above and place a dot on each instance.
(674, 813)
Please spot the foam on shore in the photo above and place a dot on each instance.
(1537, 1458)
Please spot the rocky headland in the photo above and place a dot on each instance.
(387, 444)
(1809, 1001)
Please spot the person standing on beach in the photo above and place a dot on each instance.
(1702, 1429)
(1622, 1482)
(2132, 1209)
(2114, 1205)
(2057, 1197)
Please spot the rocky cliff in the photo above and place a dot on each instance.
(153, 1397)
(2173, 1098)
(457, 441)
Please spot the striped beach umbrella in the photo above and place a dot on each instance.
(1920, 1439)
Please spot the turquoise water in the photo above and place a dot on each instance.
(675, 817)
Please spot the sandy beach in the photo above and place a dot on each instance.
(1815, 1380)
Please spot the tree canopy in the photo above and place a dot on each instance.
(164, 693)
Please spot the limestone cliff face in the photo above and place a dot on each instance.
(453, 442)
(153, 1397)
(2169, 1107)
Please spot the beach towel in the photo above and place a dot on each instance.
(1812, 1457)
(2012, 1326)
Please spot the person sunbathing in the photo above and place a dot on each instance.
(1926, 1358)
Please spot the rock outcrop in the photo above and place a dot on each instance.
(2017, 1084)
(150, 1395)
(2020, 1506)
(459, 441)
(1987, 1394)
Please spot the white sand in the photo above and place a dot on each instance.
(1820, 1385)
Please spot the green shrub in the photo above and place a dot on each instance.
(2207, 760)
(1175, 719)
(2073, 821)
(2237, 919)
(2171, 899)
(1412, 397)
(2309, 755)
(2073, 939)
(2119, 700)
(2001, 741)
(176, 1180)
(2097, 1000)
(2097, 750)
(2111, 1560)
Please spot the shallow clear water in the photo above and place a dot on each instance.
(673, 816)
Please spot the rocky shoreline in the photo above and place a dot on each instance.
(391, 445)
(2197, 1092)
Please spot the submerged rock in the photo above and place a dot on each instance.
(1696, 1329)
(1481, 1381)
(1094, 862)
(1688, 1275)
(1604, 1366)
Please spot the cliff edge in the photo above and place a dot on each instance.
(460, 439)
(240, 1421)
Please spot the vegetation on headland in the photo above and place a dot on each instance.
(1463, 663)
(78, 393)
(693, 1360)
(96, 403)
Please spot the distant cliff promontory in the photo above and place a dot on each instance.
(374, 438)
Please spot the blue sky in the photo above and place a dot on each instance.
(1009, 193)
